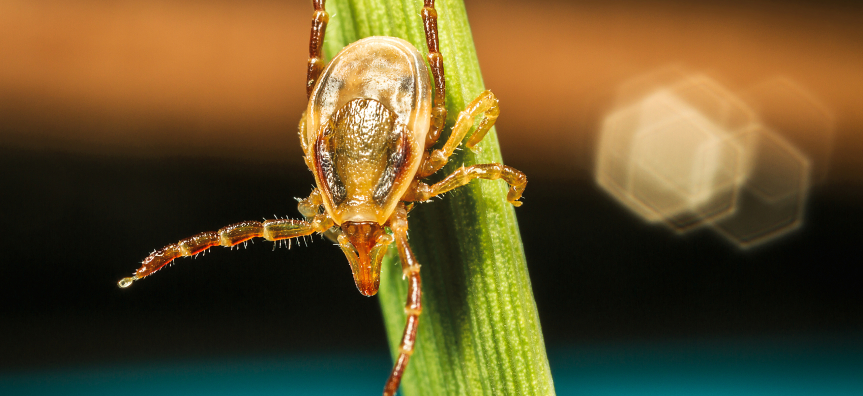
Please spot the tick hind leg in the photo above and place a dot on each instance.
(316, 42)
(413, 306)
(517, 181)
(232, 235)
(486, 104)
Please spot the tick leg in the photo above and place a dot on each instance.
(316, 43)
(487, 105)
(311, 206)
(271, 230)
(413, 305)
(438, 118)
(516, 179)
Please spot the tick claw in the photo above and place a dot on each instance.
(126, 282)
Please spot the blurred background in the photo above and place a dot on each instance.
(128, 125)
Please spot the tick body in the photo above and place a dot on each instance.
(368, 134)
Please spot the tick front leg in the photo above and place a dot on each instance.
(517, 181)
(311, 206)
(271, 230)
(413, 305)
(487, 105)
(316, 42)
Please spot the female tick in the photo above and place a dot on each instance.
(368, 134)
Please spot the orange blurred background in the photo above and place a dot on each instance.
(127, 125)
(225, 78)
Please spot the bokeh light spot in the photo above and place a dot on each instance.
(685, 151)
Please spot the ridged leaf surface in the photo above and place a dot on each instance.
(479, 331)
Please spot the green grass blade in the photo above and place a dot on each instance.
(479, 331)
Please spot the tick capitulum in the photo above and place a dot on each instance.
(374, 115)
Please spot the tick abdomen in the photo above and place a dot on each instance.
(366, 123)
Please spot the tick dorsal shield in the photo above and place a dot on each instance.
(361, 160)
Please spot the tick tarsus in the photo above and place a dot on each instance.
(126, 282)
(369, 158)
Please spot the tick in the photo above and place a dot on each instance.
(368, 134)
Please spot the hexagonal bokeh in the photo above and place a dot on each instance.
(773, 197)
(685, 170)
(690, 153)
(789, 109)
(613, 159)
(673, 155)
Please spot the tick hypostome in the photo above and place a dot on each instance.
(374, 115)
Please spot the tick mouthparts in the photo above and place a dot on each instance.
(365, 260)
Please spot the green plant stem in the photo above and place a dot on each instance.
(479, 331)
